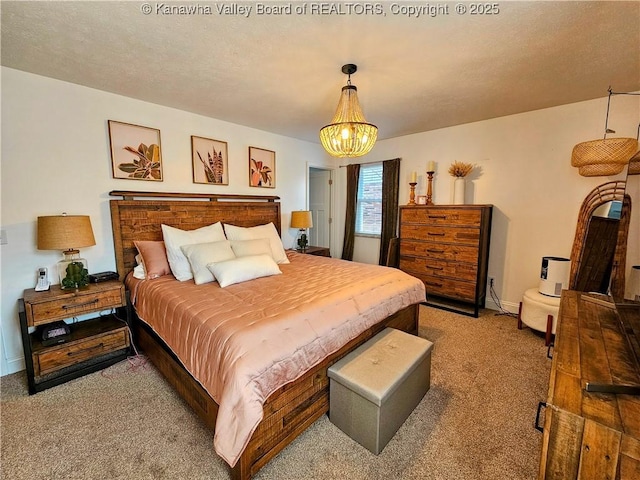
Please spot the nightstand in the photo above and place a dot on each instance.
(318, 251)
(93, 344)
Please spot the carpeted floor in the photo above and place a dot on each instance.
(475, 423)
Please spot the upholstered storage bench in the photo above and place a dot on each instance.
(374, 388)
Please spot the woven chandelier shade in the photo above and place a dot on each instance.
(65, 232)
(603, 157)
(301, 219)
(348, 134)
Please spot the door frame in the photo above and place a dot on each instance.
(332, 199)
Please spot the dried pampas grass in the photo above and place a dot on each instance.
(460, 169)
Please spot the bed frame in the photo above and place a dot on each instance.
(291, 409)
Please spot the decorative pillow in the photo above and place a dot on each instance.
(243, 268)
(139, 273)
(153, 258)
(174, 238)
(261, 231)
(244, 248)
(201, 254)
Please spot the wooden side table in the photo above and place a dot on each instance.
(92, 345)
(318, 251)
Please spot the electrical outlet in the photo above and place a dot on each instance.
(491, 281)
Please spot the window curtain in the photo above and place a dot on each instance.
(390, 192)
(353, 174)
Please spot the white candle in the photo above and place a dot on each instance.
(414, 177)
(431, 166)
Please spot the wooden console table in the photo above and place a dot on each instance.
(589, 435)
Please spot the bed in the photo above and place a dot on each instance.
(289, 408)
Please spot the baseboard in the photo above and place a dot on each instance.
(12, 366)
(510, 307)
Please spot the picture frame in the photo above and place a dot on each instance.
(136, 152)
(209, 160)
(262, 168)
(422, 199)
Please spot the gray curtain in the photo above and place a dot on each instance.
(390, 189)
(353, 174)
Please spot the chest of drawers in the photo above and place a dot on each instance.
(447, 247)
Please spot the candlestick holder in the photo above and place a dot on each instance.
(412, 193)
(429, 188)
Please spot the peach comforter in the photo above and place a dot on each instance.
(247, 340)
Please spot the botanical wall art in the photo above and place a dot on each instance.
(135, 152)
(262, 168)
(210, 161)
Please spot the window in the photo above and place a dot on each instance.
(369, 203)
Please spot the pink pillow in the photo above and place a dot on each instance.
(154, 258)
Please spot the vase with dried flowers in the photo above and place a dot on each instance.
(459, 170)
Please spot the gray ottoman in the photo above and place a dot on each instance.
(374, 388)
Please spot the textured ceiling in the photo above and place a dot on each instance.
(281, 73)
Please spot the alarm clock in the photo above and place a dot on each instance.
(54, 333)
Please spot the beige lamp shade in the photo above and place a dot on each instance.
(301, 219)
(65, 232)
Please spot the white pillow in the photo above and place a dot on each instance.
(261, 231)
(244, 248)
(174, 238)
(200, 254)
(242, 269)
(139, 273)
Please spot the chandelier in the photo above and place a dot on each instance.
(348, 134)
(604, 156)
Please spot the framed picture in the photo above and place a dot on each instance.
(209, 160)
(135, 152)
(262, 168)
(422, 199)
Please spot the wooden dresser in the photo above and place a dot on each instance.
(447, 247)
(590, 435)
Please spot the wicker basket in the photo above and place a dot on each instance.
(600, 169)
(604, 151)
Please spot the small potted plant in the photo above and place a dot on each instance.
(459, 170)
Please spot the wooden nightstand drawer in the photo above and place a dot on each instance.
(57, 304)
(71, 353)
(70, 307)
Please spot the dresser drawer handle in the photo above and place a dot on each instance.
(433, 284)
(436, 268)
(437, 216)
(435, 251)
(436, 234)
(100, 346)
(80, 305)
(536, 424)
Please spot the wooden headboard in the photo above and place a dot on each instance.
(140, 219)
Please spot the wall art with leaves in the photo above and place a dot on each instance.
(135, 152)
(262, 168)
(210, 161)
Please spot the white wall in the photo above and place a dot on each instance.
(55, 158)
(522, 168)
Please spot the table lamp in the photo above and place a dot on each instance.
(301, 219)
(67, 233)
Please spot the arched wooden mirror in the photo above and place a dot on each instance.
(598, 255)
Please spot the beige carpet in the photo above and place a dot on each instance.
(476, 422)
